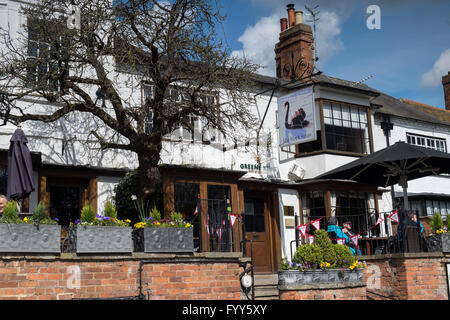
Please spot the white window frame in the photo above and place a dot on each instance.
(435, 143)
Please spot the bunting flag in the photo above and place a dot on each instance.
(233, 218)
(340, 241)
(394, 216)
(207, 223)
(310, 239)
(219, 233)
(196, 207)
(380, 220)
(302, 229)
(316, 223)
(354, 239)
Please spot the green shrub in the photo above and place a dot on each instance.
(10, 213)
(344, 256)
(322, 254)
(309, 255)
(109, 210)
(436, 222)
(87, 213)
(40, 212)
(155, 214)
(447, 221)
(323, 241)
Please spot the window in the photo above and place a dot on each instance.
(46, 65)
(198, 130)
(346, 127)
(438, 144)
(187, 201)
(254, 215)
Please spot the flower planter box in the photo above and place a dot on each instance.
(163, 239)
(100, 239)
(297, 278)
(438, 242)
(28, 238)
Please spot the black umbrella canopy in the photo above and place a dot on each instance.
(387, 166)
(393, 165)
(20, 171)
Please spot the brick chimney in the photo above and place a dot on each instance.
(446, 84)
(295, 44)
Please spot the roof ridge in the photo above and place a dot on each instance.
(421, 104)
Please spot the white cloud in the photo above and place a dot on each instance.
(327, 40)
(433, 77)
(258, 41)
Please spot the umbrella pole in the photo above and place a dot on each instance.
(404, 184)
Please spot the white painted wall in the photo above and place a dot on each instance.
(288, 197)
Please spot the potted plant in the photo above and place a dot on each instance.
(439, 240)
(320, 263)
(153, 234)
(100, 233)
(35, 234)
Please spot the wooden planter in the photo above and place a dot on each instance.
(153, 239)
(438, 242)
(28, 238)
(100, 239)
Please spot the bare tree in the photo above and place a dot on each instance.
(99, 69)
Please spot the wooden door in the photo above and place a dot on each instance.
(256, 215)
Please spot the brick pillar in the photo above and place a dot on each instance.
(446, 84)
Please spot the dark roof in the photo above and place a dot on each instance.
(320, 79)
(399, 107)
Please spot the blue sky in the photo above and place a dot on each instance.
(406, 58)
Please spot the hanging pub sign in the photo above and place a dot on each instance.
(296, 117)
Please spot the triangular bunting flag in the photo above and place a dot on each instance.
(341, 241)
(233, 218)
(355, 239)
(316, 224)
(394, 216)
(196, 207)
(310, 239)
(380, 220)
(302, 229)
(219, 233)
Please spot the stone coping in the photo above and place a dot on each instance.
(203, 257)
(321, 286)
(408, 255)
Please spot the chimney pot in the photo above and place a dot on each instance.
(298, 17)
(283, 23)
(291, 15)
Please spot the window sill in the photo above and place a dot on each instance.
(335, 152)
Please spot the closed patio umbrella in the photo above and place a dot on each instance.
(393, 165)
(20, 171)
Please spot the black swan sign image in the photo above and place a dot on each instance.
(296, 117)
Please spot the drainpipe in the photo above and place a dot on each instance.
(387, 126)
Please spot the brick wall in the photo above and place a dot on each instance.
(166, 276)
(411, 276)
(446, 86)
(356, 293)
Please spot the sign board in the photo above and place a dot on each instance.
(296, 117)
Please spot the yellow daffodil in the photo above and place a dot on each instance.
(128, 221)
(188, 225)
(25, 219)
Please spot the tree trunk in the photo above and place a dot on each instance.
(148, 172)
